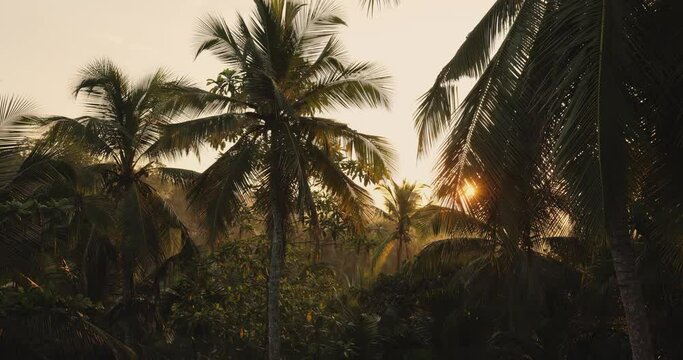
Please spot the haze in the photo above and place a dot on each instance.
(45, 43)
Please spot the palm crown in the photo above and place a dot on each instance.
(407, 214)
(285, 67)
(119, 135)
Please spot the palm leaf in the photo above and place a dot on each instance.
(223, 188)
(435, 112)
(182, 178)
(183, 137)
(449, 254)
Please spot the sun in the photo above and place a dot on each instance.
(469, 190)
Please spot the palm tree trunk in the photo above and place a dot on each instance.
(274, 276)
(398, 253)
(630, 290)
(84, 264)
(128, 292)
(623, 255)
(277, 255)
(317, 235)
(614, 112)
(615, 192)
(127, 258)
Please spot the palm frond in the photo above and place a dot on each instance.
(40, 168)
(95, 136)
(375, 5)
(316, 22)
(214, 35)
(450, 254)
(223, 188)
(445, 220)
(372, 152)
(182, 178)
(437, 107)
(353, 199)
(173, 236)
(487, 117)
(179, 138)
(382, 253)
(104, 86)
(20, 241)
(355, 85)
(14, 130)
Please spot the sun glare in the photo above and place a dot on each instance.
(469, 190)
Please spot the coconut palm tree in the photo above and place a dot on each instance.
(407, 215)
(287, 66)
(114, 142)
(25, 169)
(568, 63)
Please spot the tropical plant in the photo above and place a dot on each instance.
(27, 169)
(573, 66)
(13, 133)
(290, 66)
(408, 216)
(114, 143)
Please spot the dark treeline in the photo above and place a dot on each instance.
(553, 230)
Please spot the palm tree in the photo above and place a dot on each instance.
(566, 63)
(407, 215)
(115, 142)
(25, 169)
(13, 132)
(286, 66)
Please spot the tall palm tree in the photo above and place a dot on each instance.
(286, 66)
(406, 213)
(574, 64)
(115, 142)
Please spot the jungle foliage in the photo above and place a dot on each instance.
(553, 230)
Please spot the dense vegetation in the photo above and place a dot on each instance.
(553, 231)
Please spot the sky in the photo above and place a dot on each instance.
(44, 43)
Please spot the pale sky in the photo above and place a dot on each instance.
(45, 42)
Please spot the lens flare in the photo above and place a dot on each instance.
(469, 190)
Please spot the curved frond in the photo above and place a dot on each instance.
(449, 254)
(175, 176)
(96, 137)
(179, 138)
(316, 22)
(435, 112)
(353, 199)
(488, 117)
(222, 190)
(105, 87)
(14, 130)
(355, 85)
(374, 5)
(372, 152)
(41, 168)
